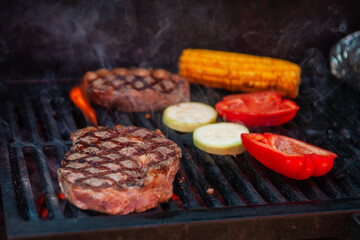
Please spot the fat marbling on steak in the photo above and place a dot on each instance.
(136, 89)
(119, 170)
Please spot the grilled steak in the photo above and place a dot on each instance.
(119, 170)
(135, 90)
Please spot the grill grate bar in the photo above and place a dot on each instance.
(7, 188)
(215, 177)
(182, 190)
(122, 118)
(353, 172)
(238, 180)
(27, 192)
(50, 195)
(255, 174)
(45, 177)
(342, 182)
(19, 165)
(195, 175)
(141, 120)
(62, 110)
(345, 182)
(13, 129)
(49, 120)
(104, 118)
(347, 151)
(285, 186)
(311, 190)
(327, 185)
(27, 113)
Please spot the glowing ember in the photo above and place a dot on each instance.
(79, 100)
(60, 196)
(175, 198)
(41, 207)
(43, 211)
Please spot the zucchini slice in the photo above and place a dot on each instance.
(220, 138)
(186, 116)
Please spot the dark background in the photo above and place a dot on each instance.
(55, 39)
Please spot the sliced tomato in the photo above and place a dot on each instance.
(257, 109)
(288, 156)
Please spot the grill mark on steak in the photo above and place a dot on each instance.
(136, 89)
(139, 82)
(108, 146)
(133, 176)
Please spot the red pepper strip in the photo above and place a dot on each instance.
(257, 109)
(288, 156)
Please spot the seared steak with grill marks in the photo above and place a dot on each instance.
(119, 170)
(135, 90)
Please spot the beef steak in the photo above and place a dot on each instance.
(135, 90)
(119, 170)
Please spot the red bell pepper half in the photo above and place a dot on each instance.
(288, 156)
(257, 109)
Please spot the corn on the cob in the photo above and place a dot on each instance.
(240, 72)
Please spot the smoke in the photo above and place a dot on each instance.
(153, 48)
(295, 29)
(72, 37)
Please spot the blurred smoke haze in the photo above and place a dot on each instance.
(68, 38)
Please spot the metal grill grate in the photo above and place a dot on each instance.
(35, 135)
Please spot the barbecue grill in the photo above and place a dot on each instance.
(248, 201)
(35, 133)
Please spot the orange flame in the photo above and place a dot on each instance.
(79, 100)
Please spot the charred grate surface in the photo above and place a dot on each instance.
(36, 124)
